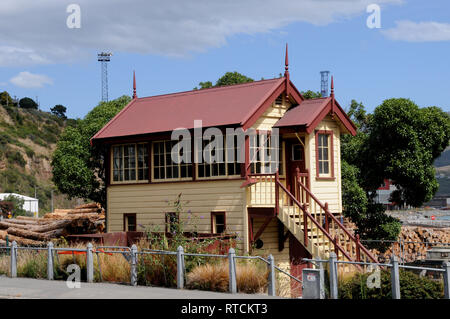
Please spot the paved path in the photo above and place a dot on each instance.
(36, 288)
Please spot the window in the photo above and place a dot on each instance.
(218, 222)
(297, 152)
(230, 164)
(324, 154)
(130, 162)
(260, 144)
(172, 220)
(164, 167)
(129, 222)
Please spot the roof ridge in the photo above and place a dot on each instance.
(201, 91)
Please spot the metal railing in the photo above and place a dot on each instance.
(394, 269)
(132, 255)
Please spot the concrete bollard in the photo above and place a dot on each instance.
(133, 272)
(89, 264)
(13, 259)
(446, 266)
(232, 271)
(272, 281)
(333, 276)
(180, 267)
(50, 261)
(395, 278)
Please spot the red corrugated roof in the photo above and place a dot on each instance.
(228, 105)
(304, 114)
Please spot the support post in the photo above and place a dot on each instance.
(180, 267)
(305, 226)
(358, 248)
(13, 259)
(327, 220)
(333, 276)
(232, 271)
(272, 281)
(89, 264)
(446, 266)
(133, 270)
(50, 261)
(277, 193)
(395, 278)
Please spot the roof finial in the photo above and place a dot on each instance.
(134, 85)
(286, 63)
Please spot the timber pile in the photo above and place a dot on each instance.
(416, 251)
(83, 219)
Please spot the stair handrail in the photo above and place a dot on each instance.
(337, 222)
(305, 211)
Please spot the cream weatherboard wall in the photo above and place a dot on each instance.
(149, 203)
(326, 190)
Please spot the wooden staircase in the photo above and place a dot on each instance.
(314, 226)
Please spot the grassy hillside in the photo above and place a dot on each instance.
(27, 140)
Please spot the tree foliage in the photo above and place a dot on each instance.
(78, 168)
(59, 110)
(399, 141)
(28, 103)
(229, 78)
(311, 94)
(5, 99)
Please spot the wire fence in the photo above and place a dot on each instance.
(136, 258)
(394, 266)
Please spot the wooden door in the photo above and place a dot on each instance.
(295, 158)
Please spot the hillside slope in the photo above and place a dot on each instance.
(27, 139)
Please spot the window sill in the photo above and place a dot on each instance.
(324, 178)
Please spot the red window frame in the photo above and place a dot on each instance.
(331, 154)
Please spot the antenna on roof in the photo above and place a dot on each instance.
(134, 85)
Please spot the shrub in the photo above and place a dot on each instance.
(412, 286)
(215, 277)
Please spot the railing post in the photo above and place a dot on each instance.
(395, 278)
(327, 220)
(180, 267)
(305, 225)
(232, 271)
(133, 270)
(446, 266)
(277, 193)
(272, 282)
(13, 259)
(297, 185)
(358, 249)
(333, 276)
(89, 264)
(50, 261)
(335, 243)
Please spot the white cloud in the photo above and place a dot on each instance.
(29, 80)
(172, 28)
(419, 31)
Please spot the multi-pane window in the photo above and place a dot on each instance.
(218, 224)
(164, 167)
(172, 222)
(263, 159)
(323, 151)
(130, 162)
(129, 222)
(225, 163)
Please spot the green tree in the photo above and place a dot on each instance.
(27, 103)
(5, 99)
(399, 141)
(17, 203)
(59, 110)
(311, 94)
(78, 168)
(229, 78)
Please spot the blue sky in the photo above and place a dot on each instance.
(398, 60)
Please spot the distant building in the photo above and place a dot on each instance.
(384, 194)
(30, 204)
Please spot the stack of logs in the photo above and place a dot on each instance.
(414, 242)
(83, 219)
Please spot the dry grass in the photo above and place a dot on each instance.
(114, 268)
(249, 277)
